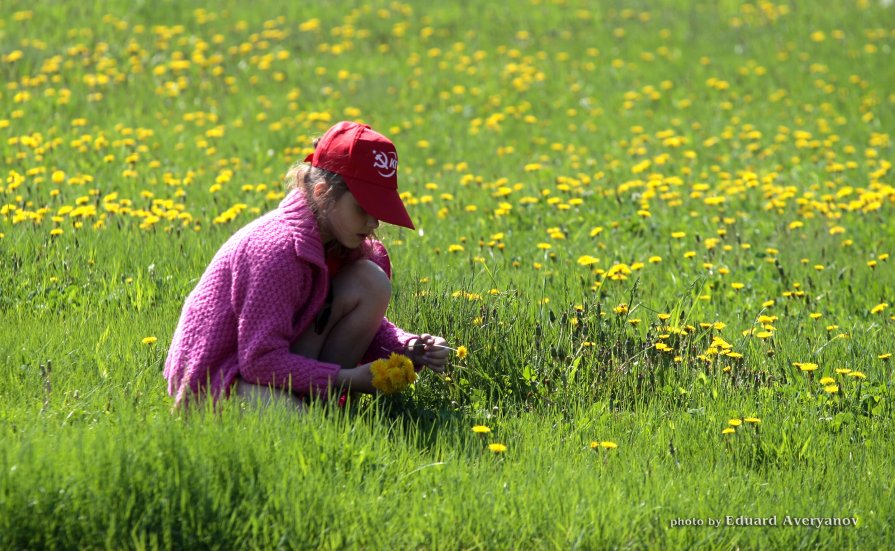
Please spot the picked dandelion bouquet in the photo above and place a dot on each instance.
(393, 374)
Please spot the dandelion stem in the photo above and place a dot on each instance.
(431, 346)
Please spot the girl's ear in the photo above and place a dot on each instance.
(320, 189)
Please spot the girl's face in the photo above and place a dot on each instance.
(348, 223)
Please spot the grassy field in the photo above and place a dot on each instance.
(660, 230)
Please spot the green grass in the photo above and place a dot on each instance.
(558, 130)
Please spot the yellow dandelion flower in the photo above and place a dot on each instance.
(885, 357)
(737, 285)
(587, 260)
(735, 422)
(857, 375)
(608, 445)
(393, 374)
(149, 340)
(728, 430)
(831, 389)
(497, 447)
(843, 371)
(827, 380)
(378, 369)
(481, 429)
(462, 352)
(879, 308)
(806, 366)
(752, 420)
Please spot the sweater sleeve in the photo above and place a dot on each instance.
(268, 289)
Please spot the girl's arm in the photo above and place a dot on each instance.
(389, 338)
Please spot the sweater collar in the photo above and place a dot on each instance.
(296, 211)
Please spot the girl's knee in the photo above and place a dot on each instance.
(363, 281)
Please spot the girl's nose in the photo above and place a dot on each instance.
(373, 222)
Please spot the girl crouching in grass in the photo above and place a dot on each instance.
(294, 303)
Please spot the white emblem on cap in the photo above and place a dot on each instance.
(386, 164)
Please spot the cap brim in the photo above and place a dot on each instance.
(381, 203)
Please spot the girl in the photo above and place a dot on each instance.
(293, 304)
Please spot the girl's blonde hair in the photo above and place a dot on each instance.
(304, 177)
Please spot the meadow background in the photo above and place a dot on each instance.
(660, 230)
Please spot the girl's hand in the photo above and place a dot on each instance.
(356, 379)
(430, 351)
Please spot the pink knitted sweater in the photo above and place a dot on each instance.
(263, 289)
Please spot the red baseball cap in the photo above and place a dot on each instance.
(368, 162)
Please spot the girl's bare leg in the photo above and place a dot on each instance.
(361, 293)
(264, 396)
